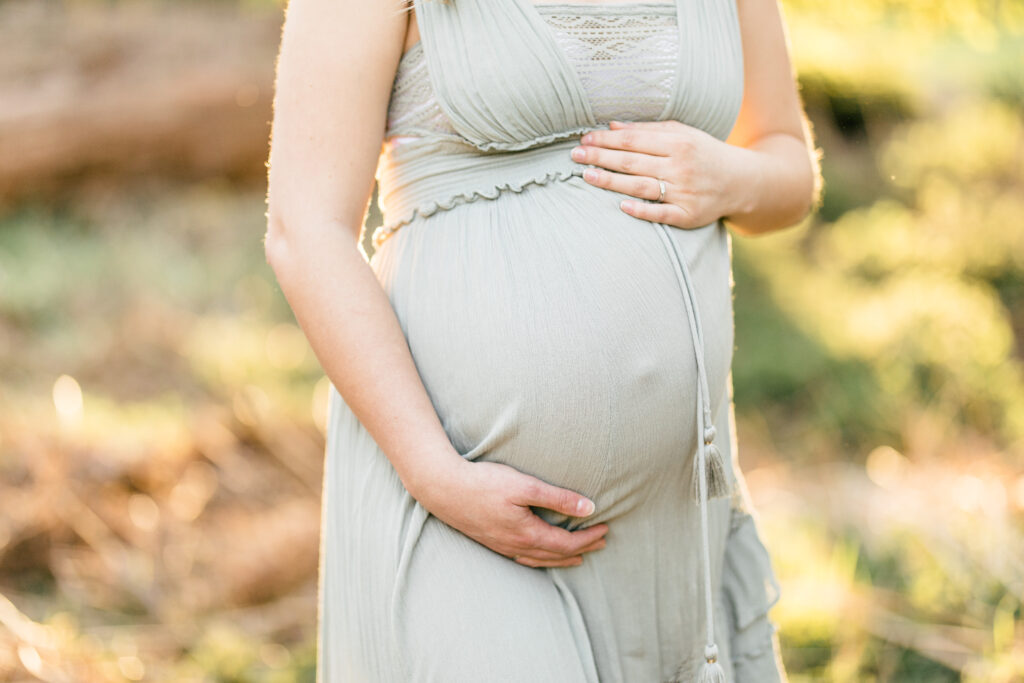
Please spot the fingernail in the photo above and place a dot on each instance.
(626, 205)
(590, 174)
(586, 138)
(585, 507)
(577, 153)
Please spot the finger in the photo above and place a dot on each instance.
(596, 545)
(542, 494)
(573, 561)
(659, 212)
(641, 187)
(551, 542)
(633, 163)
(558, 540)
(541, 554)
(649, 141)
(591, 534)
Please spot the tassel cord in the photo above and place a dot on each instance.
(711, 670)
(693, 316)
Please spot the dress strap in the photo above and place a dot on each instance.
(710, 480)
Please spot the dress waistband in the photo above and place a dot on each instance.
(417, 179)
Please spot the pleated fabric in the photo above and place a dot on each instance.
(563, 337)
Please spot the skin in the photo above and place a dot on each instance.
(325, 144)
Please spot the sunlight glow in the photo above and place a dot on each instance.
(131, 667)
(30, 659)
(67, 400)
(886, 467)
(191, 494)
(286, 346)
(968, 492)
(143, 511)
(321, 396)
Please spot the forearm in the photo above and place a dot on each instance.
(356, 336)
(775, 185)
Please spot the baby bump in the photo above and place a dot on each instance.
(551, 333)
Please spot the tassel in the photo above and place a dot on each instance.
(711, 671)
(717, 480)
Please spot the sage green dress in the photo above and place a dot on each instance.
(557, 334)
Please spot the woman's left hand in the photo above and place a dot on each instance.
(701, 172)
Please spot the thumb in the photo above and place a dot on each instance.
(542, 494)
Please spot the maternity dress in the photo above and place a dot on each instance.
(561, 336)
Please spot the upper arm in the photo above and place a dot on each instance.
(335, 68)
(771, 103)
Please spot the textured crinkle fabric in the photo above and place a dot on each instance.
(561, 336)
(624, 55)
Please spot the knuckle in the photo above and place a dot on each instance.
(565, 500)
(683, 217)
(561, 546)
(677, 165)
(543, 542)
(532, 489)
(686, 172)
(529, 538)
(682, 145)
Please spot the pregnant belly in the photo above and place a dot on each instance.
(551, 333)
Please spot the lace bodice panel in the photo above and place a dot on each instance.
(625, 55)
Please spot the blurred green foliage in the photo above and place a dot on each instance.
(900, 303)
(906, 291)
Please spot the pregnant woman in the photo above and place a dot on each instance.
(531, 465)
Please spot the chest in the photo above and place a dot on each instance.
(508, 74)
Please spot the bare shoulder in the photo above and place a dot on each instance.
(335, 36)
(335, 70)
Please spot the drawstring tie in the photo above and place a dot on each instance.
(709, 478)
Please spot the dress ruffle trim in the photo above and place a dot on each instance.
(754, 644)
(749, 583)
(750, 589)
(451, 201)
(760, 661)
(517, 145)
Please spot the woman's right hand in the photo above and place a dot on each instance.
(490, 503)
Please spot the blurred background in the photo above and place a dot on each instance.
(162, 417)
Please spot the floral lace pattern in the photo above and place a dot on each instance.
(625, 59)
